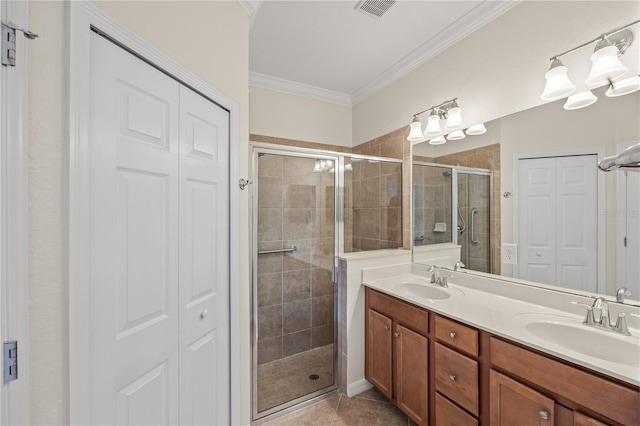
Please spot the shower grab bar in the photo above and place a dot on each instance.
(287, 250)
(474, 211)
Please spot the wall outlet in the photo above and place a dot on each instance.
(510, 254)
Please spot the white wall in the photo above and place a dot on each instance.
(209, 38)
(295, 117)
(499, 69)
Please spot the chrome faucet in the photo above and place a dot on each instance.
(458, 265)
(434, 273)
(604, 321)
(621, 294)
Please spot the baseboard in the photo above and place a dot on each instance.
(360, 386)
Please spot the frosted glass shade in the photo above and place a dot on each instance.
(624, 87)
(433, 126)
(456, 135)
(438, 140)
(477, 129)
(580, 100)
(606, 66)
(454, 122)
(558, 84)
(415, 134)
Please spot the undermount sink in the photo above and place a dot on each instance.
(573, 335)
(425, 291)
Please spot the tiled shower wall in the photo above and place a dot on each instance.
(373, 199)
(431, 204)
(295, 291)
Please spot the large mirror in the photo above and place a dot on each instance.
(547, 214)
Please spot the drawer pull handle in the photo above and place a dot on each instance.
(386, 327)
(544, 415)
(396, 334)
(452, 377)
(452, 334)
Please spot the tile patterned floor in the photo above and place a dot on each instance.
(366, 409)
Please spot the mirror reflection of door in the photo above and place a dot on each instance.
(627, 216)
(558, 221)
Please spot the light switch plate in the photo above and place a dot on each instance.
(510, 254)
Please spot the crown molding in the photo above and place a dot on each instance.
(251, 7)
(475, 19)
(268, 82)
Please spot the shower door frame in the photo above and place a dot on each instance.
(454, 198)
(263, 148)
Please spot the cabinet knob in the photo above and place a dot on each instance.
(544, 415)
(396, 334)
(452, 334)
(452, 377)
(386, 327)
(204, 314)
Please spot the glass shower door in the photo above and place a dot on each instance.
(294, 297)
(474, 206)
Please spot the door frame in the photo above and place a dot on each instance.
(601, 203)
(14, 214)
(82, 17)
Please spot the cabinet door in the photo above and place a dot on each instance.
(379, 367)
(411, 373)
(512, 403)
(580, 419)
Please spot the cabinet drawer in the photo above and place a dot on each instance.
(449, 414)
(457, 335)
(457, 377)
(401, 312)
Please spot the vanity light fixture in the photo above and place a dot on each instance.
(456, 135)
(606, 66)
(580, 100)
(623, 87)
(447, 110)
(477, 129)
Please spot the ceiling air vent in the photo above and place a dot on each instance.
(375, 8)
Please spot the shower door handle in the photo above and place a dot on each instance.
(474, 211)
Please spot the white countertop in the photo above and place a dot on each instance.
(507, 316)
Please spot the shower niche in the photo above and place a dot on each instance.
(452, 205)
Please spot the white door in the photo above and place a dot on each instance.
(204, 261)
(154, 215)
(558, 200)
(627, 216)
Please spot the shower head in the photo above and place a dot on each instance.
(447, 173)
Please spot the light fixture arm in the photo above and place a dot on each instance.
(438, 108)
(601, 37)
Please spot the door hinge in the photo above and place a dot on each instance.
(625, 241)
(9, 42)
(10, 361)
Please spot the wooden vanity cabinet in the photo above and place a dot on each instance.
(445, 373)
(396, 356)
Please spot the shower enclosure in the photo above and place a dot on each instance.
(310, 206)
(452, 204)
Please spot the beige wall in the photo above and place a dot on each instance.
(210, 38)
(499, 69)
(294, 117)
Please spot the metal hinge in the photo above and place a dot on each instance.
(625, 241)
(10, 361)
(9, 42)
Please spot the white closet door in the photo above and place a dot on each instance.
(134, 240)
(558, 221)
(577, 222)
(204, 261)
(536, 215)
